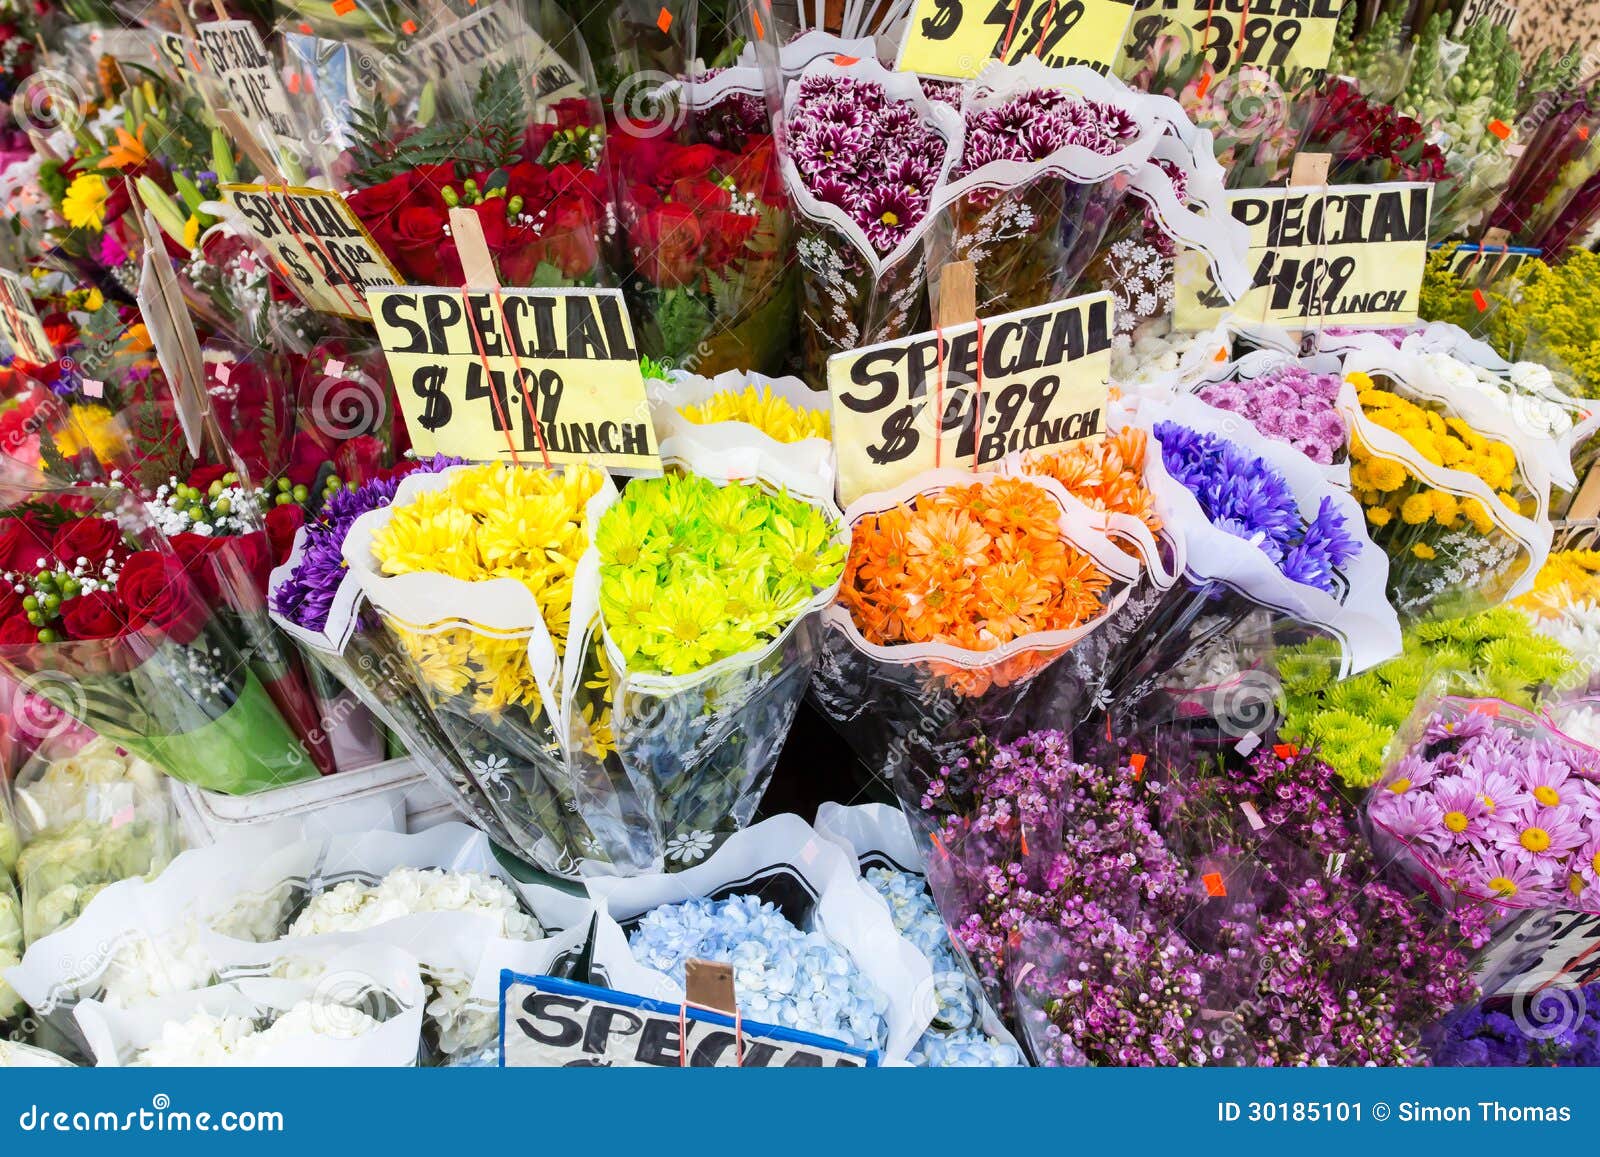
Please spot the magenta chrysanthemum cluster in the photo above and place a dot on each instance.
(1500, 810)
(1289, 404)
(873, 156)
(1031, 126)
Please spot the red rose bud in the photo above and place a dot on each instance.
(160, 596)
(91, 539)
(97, 615)
(18, 632)
(282, 522)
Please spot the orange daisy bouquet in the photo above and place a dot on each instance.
(961, 590)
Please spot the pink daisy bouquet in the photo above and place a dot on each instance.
(863, 153)
(1491, 805)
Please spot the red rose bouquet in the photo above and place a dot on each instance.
(1369, 143)
(531, 174)
(101, 617)
(708, 233)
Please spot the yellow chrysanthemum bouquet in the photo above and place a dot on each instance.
(778, 427)
(475, 571)
(1446, 487)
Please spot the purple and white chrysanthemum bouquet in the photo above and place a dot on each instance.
(1491, 806)
(864, 153)
(1048, 163)
(1048, 156)
(1268, 538)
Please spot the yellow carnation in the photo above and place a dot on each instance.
(1378, 516)
(1423, 550)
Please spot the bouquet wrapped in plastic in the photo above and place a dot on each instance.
(864, 154)
(1457, 506)
(91, 814)
(109, 625)
(1047, 157)
(622, 693)
(962, 593)
(1264, 529)
(706, 225)
(1559, 162)
(1490, 806)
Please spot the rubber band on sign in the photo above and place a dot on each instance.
(527, 402)
(333, 266)
(494, 394)
(683, 1026)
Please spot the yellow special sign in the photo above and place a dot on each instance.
(911, 405)
(536, 375)
(1281, 35)
(957, 38)
(1345, 255)
(320, 245)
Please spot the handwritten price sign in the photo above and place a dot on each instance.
(552, 374)
(20, 324)
(910, 405)
(324, 251)
(957, 38)
(237, 59)
(1282, 35)
(491, 36)
(1485, 11)
(1347, 254)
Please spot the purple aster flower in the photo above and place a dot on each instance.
(1508, 879)
(1546, 835)
(306, 597)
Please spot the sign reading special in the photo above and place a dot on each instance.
(547, 1022)
(236, 57)
(20, 324)
(957, 38)
(1281, 35)
(1345, 254)
(552, 374)
(491, 36)
(1485, 12)
(319, 243)
(909, 405)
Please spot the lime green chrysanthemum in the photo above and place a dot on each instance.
(691, 573)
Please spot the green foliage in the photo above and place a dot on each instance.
(1495, 654)
(491, 139)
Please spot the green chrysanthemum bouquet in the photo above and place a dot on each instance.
(709, 593)
(1495, 654)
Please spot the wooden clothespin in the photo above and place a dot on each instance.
(709, 985)
(1495, 239)
(477, 263)
(958, 294)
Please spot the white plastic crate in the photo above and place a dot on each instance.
(390, 796)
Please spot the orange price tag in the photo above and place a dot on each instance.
(1583, 132)
(1285, 750)
(844, 61)
(1214, 884)
(1499, 128)
(1136, 761)
(1491, 709)
(1479, 300)
(343, 7)
(1205, 83)
(663, 20)
(409, 28)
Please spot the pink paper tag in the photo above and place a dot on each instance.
(93, 389)
(224, 372)
(1252, 815)
(334, 368)
(125, 816)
